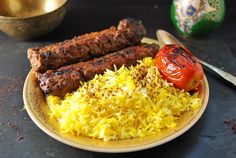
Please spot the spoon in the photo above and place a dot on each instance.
(167, 38)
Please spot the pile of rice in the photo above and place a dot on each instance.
(120, 104)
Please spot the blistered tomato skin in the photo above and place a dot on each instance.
(179, 66)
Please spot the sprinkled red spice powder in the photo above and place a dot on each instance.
(10, 85)
(231, 124)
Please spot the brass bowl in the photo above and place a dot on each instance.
(28, 19)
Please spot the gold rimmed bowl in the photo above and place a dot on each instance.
(28, 19)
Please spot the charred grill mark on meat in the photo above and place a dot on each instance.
(128, 33)
(67, 79)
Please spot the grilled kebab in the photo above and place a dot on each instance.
(128, 33)
(67, 79)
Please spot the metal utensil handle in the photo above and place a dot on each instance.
(227, 76)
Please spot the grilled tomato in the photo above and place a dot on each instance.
(179, 66)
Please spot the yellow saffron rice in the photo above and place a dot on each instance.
(120, 104)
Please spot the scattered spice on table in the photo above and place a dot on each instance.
(16, 128)
(231, 124)
(9, 85)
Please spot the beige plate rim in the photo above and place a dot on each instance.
(51, 133)
(73, 144)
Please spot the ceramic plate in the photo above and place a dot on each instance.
(37, 109)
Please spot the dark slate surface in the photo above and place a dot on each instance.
(209, 137)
